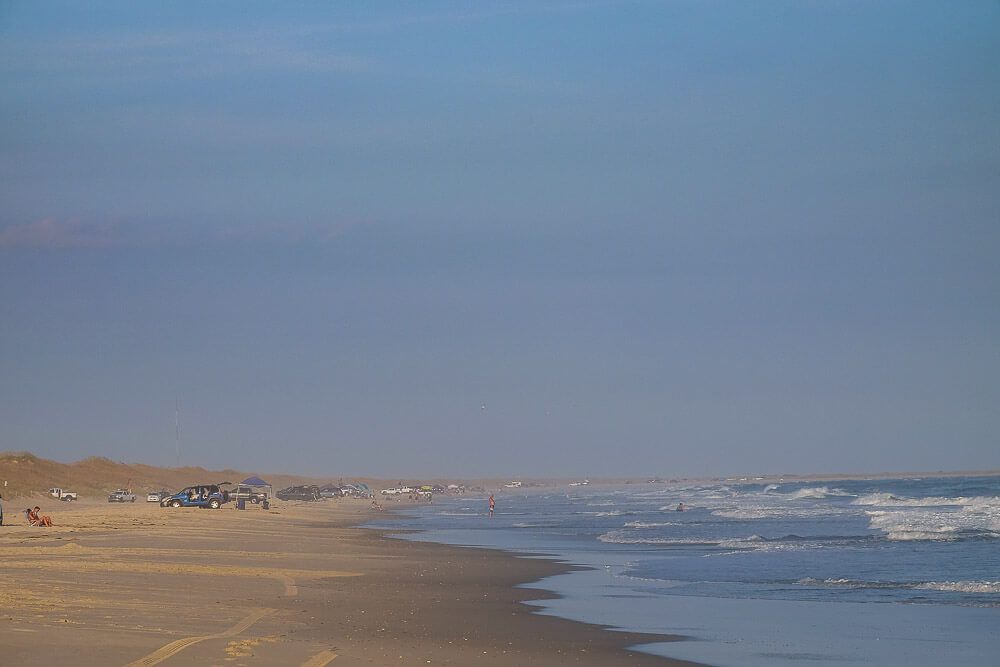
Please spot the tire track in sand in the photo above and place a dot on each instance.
(174, 647)
(320, 659)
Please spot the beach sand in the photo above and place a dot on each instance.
(137, 584)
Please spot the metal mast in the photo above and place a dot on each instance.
(177, 430)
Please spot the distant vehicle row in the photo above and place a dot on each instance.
(313, 492)
(213, 496)
(406, 490)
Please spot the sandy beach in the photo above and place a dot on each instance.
(301, 584)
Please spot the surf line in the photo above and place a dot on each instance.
(175, 647)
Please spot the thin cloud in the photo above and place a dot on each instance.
(52, 233)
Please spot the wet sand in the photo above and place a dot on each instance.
(137, 584)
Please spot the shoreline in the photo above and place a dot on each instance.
(304, 584)
(549, 565)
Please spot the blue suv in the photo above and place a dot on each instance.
(202, 495)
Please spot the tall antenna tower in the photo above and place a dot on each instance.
(177, 430)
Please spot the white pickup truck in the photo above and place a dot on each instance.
(63, 494)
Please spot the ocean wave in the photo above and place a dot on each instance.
(988, 587)
(601, 503)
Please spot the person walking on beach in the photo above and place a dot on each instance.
(493, 505)
(1, 510)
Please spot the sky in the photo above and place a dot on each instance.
(550, 238)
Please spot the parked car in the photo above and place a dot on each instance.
(331, 491)
(63, 494)
(157, 496)
(202, 495)
(121, 496)
(248, 493)
(299, 493)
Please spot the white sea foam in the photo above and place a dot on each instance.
(817, 493)
(962, 586)
(889, 500)
(937, 522)
(749, 512)
(652, 524)
(601, 503)
(626, 537)
(754, 542)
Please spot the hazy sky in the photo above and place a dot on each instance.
(666, 238)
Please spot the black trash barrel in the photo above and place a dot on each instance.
(241, 503)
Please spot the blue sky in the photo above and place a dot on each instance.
(652, 238)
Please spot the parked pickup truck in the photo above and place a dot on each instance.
(121, 496)
(248, 493)
(62, 494)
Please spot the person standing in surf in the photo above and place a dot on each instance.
(493, 505)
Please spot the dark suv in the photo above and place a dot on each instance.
(248, 493)
(299, 493)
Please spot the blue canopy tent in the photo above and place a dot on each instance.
(255, 481)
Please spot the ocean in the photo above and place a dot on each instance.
(888, 572)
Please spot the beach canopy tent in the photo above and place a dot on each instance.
(254, 481)
(258, 482)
